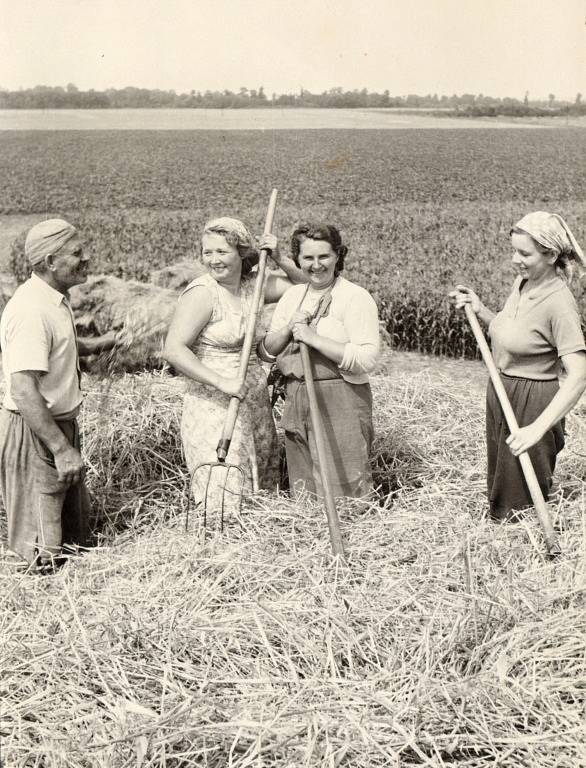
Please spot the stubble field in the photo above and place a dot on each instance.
(447, 641)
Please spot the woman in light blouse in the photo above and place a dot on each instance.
(338, 321)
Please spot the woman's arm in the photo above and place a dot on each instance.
(333, 350)
(571, 389)
(464, 295)
(276, 340)
(193, 313)
(277, 284)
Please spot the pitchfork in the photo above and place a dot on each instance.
(551, 542)
(221, 465)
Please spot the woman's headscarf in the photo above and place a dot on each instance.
(238, 237)
(552, 232)
(236, 232)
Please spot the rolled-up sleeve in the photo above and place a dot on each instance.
(567, 333)
(281, 314)
(28, 343)
(362, 326)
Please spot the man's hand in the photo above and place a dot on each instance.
(96, 344)
(69, 465)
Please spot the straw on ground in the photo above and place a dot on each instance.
(447, 641)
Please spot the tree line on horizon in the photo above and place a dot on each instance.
(467, 104)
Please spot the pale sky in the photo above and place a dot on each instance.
(495, 47)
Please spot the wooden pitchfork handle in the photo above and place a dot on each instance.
(319, 432)
(551, 542)
(232, 414)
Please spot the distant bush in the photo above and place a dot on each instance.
(19, 266)
(71, 97)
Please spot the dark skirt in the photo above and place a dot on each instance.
(507, 490)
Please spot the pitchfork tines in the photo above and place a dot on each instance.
(216, 491)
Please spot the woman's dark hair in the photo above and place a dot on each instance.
(326, 232)
(248, 262)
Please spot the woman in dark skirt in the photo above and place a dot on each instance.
(536, 334)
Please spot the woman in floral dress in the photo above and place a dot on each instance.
(204, 343)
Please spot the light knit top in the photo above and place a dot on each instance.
(37, 333)
(352, 320)
(534, 329)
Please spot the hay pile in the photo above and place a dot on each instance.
(139, 312)
(446, 641)
(177, 276)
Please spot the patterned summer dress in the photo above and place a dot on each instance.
(254, 445)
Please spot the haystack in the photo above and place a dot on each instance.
(177, 276)
(140, 312)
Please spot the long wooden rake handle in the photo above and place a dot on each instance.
(541, 510)
(320, 442)
(232, 414)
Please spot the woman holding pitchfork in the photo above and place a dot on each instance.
(537, 332)
(204, 342)
(338, 321)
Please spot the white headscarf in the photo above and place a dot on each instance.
(233, 227)
(552, 232)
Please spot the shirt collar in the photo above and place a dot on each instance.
(545, 289)
(41, 286)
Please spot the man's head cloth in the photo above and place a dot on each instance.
(47, 238)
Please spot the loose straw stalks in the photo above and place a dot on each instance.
(447, 640)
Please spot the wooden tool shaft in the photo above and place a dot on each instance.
(320, 442)
(524, 459)
(232, 413)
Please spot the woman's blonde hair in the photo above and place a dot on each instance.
(237, 235)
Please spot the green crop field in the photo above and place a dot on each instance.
(420, 209)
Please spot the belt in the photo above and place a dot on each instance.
(524, 378)
(67, 417)
(324, 378)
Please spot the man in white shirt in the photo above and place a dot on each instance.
(41, 468)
